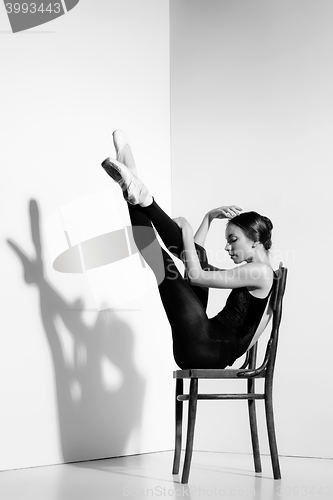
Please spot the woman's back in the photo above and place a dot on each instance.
(244, 316)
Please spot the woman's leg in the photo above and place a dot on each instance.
(168, 230)
(191, 328)
(194, 344)
(171, 236)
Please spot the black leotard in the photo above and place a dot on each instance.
(239, 319)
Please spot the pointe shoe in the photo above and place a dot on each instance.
(123, 150)
(134, 191)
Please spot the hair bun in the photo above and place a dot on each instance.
(268, 223)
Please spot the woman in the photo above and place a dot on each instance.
(199, 341)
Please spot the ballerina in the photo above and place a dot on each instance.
(199, 341)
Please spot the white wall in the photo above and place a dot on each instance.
(75, 384)
(252, 107)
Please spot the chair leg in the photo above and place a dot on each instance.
(178, 426)
(254, 427)
(271, 435)
(192, 410)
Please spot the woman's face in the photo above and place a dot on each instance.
(239, 246)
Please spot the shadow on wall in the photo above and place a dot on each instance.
(99, 391)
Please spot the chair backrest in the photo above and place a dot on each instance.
(276, 307)
(277, 299)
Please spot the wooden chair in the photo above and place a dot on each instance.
(265, 370)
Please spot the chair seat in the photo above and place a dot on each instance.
(215, 373)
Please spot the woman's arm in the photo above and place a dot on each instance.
(180, 221)
(202, 231)
(254, 275)
(224, 212)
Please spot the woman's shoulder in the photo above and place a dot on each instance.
(263, 276)
(260, 268)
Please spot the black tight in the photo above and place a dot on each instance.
(194, 345)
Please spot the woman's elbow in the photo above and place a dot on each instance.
(195, 277)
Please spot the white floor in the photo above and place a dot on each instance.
(213, 475)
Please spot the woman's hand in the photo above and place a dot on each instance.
(224, 212)
(183, 223)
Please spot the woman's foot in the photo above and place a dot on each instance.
(135, 192)
(123, 151)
